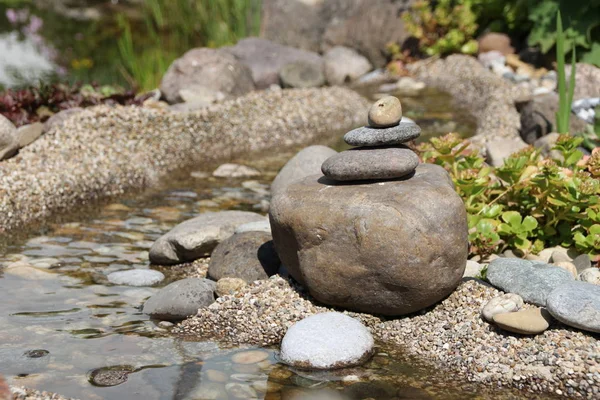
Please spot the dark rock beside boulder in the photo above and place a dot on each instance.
(209, 74)
(249, 256)
(306, 162)
(198, 236)
(181, 299)
(265, 59)
(538, 118)
(387, 248)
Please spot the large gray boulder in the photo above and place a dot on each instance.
(206, 75)
(391, 247)
(181, 299)
(306, 162)
(265, 59)
(576, 304)
(249, 256)
(533, 281)
(9, 143)
(198, 236)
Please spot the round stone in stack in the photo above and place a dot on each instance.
(380, 155)
(367, 136)
(371, 163)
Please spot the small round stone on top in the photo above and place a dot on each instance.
(385, 112)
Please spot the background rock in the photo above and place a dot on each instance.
(300, 74)
(265, 59)
(538, 118)
(587, 80)
(495, 41)
(198, 236)
(306, 162)
(344, 65)
(180, 299)
(389, 248)
(216, 74)
(8, 138)
(28, 134)
(249, 256)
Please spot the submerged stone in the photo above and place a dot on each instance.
(180, 299)
(136, 277)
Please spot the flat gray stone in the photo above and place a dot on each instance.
(326, 341)
(198, 236)
(367, 163)
(181, 299)
(576, 304)
(136, 277)
(257, 226)
(305, 163)
(367, 136)
(533, 281)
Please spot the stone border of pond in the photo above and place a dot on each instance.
(487, 96)
(104, 152)
(452, 336)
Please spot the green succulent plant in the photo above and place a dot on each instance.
(529, 203)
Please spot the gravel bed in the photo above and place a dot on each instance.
(451, 335)
(105, 152)
(488, 97)
(21, 393)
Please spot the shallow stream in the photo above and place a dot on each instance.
(65, 329)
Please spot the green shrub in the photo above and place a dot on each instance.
(584, 26)
(447, 28)
(169, 28)
(529, 203)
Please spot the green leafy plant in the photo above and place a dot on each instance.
(169, 28)
(565, 98)
(444, 27)
(529, 203)
(582, 19)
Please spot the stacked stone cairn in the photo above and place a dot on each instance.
(381, 154)
(380, 233)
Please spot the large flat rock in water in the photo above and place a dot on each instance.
(389, 248)
(197, 237)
